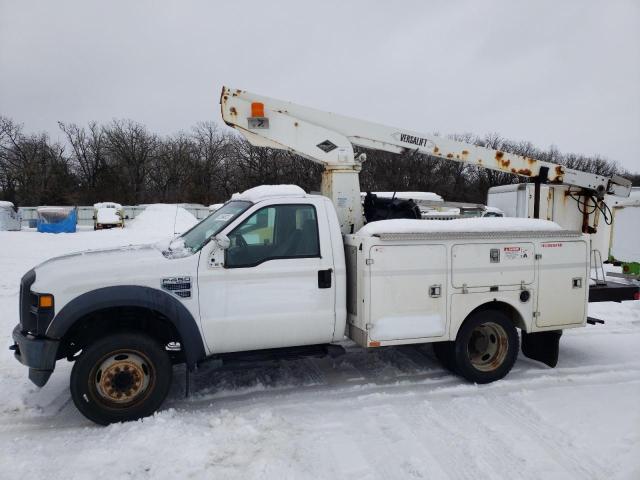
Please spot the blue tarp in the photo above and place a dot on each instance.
(47, 224)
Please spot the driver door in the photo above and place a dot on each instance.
(276, 288)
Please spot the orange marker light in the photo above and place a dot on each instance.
(45, 301)
(374, 344)
(257, 109)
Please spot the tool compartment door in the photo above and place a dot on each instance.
(492, 264)
(563, 283)
(407, 292)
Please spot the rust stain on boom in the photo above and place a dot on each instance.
(502, 162)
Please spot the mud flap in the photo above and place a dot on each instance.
(542, 346)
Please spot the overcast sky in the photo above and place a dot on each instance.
(564, 73)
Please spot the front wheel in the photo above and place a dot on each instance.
(486, 347)
(121, 377)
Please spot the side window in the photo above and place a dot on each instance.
(275, 232)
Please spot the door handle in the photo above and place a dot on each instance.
(324, 278)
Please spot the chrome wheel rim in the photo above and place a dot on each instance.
(123, 378)
(488, 346)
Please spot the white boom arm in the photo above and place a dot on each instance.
(328, 139)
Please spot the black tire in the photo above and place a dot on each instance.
(121, 377)
(445, 353)
(486, 347)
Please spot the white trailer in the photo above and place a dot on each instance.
(10, 217)
(625, 229)
(615, 238)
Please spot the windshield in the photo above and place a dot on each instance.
(195, 238)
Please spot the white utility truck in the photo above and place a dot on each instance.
(276, 268)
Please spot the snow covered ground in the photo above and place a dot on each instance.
(393, 414)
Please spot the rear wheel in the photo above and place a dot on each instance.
(121, 377)
(486, 347)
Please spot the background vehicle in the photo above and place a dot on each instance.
(108, 215)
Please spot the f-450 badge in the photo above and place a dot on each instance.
(180, 286)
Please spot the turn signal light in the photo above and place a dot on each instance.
(257, 109)
(45, 301)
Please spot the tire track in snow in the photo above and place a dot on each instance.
(432, 385)
(388, 439)
(554, 441)
(487, 451)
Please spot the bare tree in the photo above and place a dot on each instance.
(123, 161)
(131, 148)
(88, 157)
(171, 169)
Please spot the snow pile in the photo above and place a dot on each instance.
(417, 196)
(117, 206)
(261, 192)
(491, 224)
(493, 210)
(161, 217)
(5, 204)
(452, 212)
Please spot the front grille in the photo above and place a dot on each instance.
(28, 319)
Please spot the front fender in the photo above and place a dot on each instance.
(133, 296)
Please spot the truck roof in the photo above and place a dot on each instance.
(263, 192)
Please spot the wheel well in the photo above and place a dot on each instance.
(103, 322)
(505, 308)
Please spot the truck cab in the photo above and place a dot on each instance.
(280, 279)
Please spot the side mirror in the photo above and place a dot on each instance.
(222, 241)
